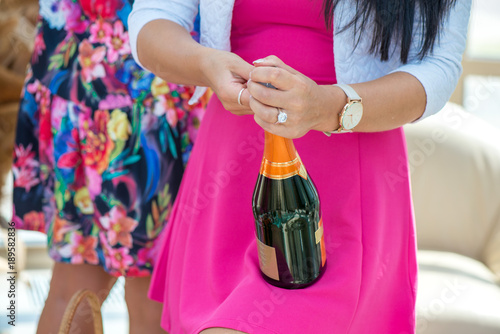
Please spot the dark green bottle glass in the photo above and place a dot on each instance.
(287, 216)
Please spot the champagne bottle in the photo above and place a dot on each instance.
(287, 214)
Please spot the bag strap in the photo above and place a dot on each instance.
(95, 307)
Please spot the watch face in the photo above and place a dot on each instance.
(352, 115)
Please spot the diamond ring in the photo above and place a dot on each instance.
(282, 116)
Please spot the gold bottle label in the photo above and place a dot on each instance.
(320, 238)
(267, 260)
(281, 160)
(283, 170)
(319, 233)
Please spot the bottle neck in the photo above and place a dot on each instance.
(279, 149)
(281, 159)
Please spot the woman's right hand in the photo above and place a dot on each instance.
(189, 63)
(227, 75)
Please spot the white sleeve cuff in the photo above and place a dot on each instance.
(439, 71)
(439, 80)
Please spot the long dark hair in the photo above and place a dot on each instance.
(393, 22)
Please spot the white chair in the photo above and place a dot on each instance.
(455, 172)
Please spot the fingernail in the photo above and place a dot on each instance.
(268, 85)
(258, 61)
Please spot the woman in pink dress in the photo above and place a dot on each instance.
(208, 275)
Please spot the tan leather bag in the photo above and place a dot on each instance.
(95, 307)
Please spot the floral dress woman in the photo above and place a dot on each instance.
(101, 144)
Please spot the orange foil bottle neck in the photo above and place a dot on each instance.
(281, 159)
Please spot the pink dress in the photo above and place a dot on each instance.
(208, 272)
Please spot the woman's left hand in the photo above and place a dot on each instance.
(308, 106)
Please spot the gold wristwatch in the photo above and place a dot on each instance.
(351, 114)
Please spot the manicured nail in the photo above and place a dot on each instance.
(258, 61)
(267, 84)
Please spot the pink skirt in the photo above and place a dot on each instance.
(208, 273)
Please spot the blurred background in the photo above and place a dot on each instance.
(455, 180)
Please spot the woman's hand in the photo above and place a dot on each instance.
(308, 105)
(227, 75)
(190, 63)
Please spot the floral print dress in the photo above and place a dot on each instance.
(101, 144)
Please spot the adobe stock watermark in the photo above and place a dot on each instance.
(437, 306)
(11, 274)
(425, 147)
(200, 198)
(263, 310)
(483, 90)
